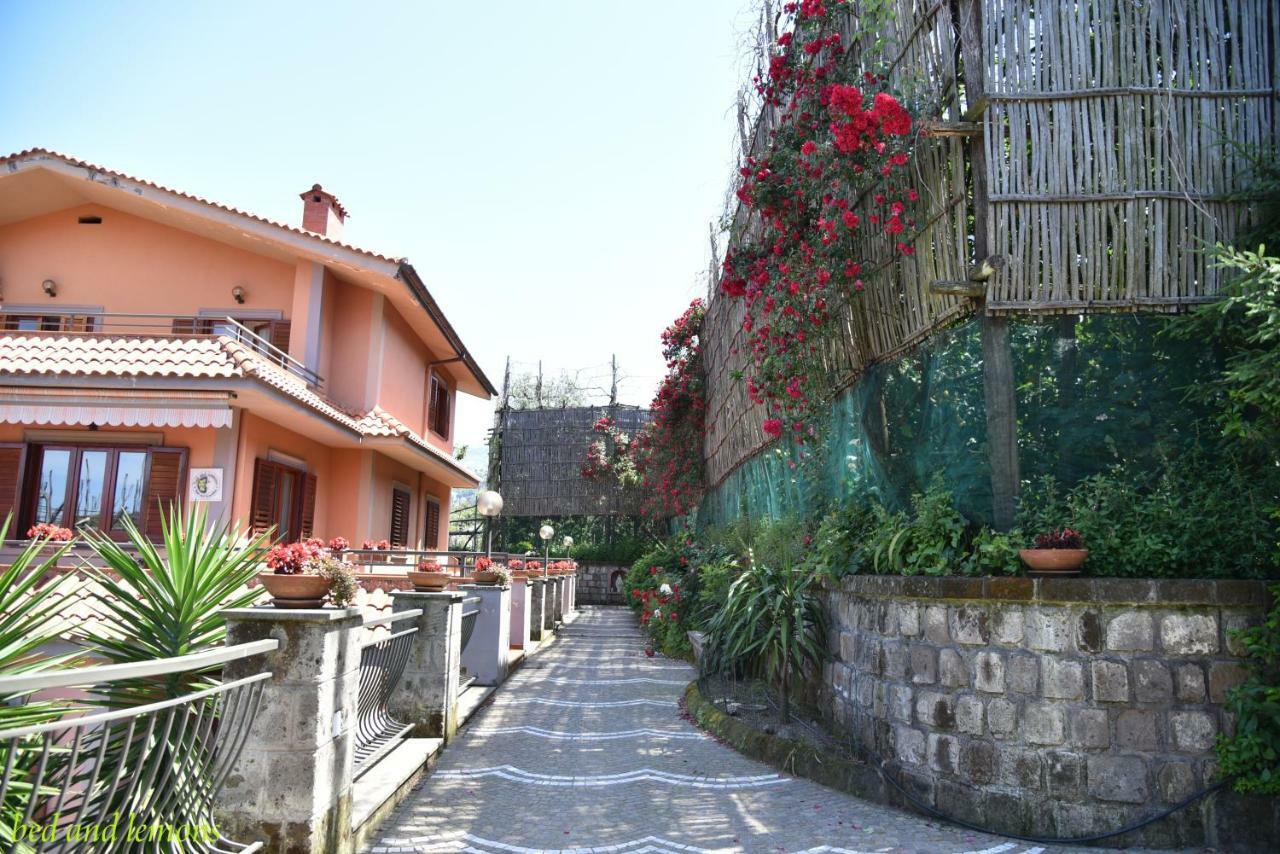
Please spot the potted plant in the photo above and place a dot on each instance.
(516, 565)
(1060, 552)
(429, 577)
(488, 572)
(292, 581)
(48, 534)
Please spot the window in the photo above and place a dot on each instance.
(400, 500)
(439, 406)
(431, 526)
(24, 322)
(284, 499)
(99, 487)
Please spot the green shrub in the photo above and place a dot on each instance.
(994, 553)
(1197, 516)
(773, 624)
(927, 541)
(1253, 752)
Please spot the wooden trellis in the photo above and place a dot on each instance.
(540, 453)
(1080, 142)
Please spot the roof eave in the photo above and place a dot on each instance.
(414, 282)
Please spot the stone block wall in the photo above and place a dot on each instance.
(1052, 707)
(600, 584)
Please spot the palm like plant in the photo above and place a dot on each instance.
(163, 604)
(28, 621)
(772, 624)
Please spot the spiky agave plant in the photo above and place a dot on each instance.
(772, 624)
(29, 607)
(162, 601)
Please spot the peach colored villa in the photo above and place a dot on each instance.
(156, 346)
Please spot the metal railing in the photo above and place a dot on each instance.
(382, 663)
(470, 613)
(161, 763)
(396, 560)
(62, 322)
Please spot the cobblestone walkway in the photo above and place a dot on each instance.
(584, 750)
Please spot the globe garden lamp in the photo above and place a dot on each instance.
(568, 544)
(546, 532)
(489, 505)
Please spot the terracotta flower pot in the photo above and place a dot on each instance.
(299, 590)
(428, 582)
(485, 576)
(1054, 561)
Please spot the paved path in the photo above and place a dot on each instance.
(584, 750)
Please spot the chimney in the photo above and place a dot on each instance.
(322, 213)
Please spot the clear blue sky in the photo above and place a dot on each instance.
(549, 167)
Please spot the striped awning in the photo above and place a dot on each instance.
(136, 408)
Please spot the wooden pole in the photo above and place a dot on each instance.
(613, 387)
(537, 389)
(998, 386)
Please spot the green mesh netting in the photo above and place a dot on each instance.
(1092, 392)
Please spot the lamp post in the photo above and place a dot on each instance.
(489, 505)
(568, 544)
(546, 532)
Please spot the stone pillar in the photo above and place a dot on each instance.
(488, 651)
(549, 606)
(291, 786)
(521, 596)
(427, 695)
(573, 593)
(557, 585)
(537, 608)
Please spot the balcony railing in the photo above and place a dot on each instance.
(269, 339)
(162, 762)
(382, 662)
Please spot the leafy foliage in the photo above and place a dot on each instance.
(772, 623)
(28, 621)
(1195, 516)
(1253, 752)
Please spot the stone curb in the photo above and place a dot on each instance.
(785, 754)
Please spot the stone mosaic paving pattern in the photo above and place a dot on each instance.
(584, 750)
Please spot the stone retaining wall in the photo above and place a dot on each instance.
(599, 584)
(1054, 707)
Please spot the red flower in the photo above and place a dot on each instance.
(773, 426)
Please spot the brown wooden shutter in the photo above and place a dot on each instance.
(399, 518)
(306, 523)
(12, 457)
(262, 506)
(164, 487)
(431, 532)
(279, 333)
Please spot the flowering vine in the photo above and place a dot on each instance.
(609, 457)
(834, 172)
(668, 451)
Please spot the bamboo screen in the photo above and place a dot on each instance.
(1105, 145)
(1102, 125)
(540, 455)
(896, 310)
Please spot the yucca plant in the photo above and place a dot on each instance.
(772, 624)
(29, 605)
(162, 601)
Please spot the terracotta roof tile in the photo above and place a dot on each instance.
(130, 356)
(32, 153)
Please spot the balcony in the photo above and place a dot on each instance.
(267, 339)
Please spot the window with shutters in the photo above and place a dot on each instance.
(400, 500)
(283, 500)
(439, 406)
(431, 525)
(103, 487)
